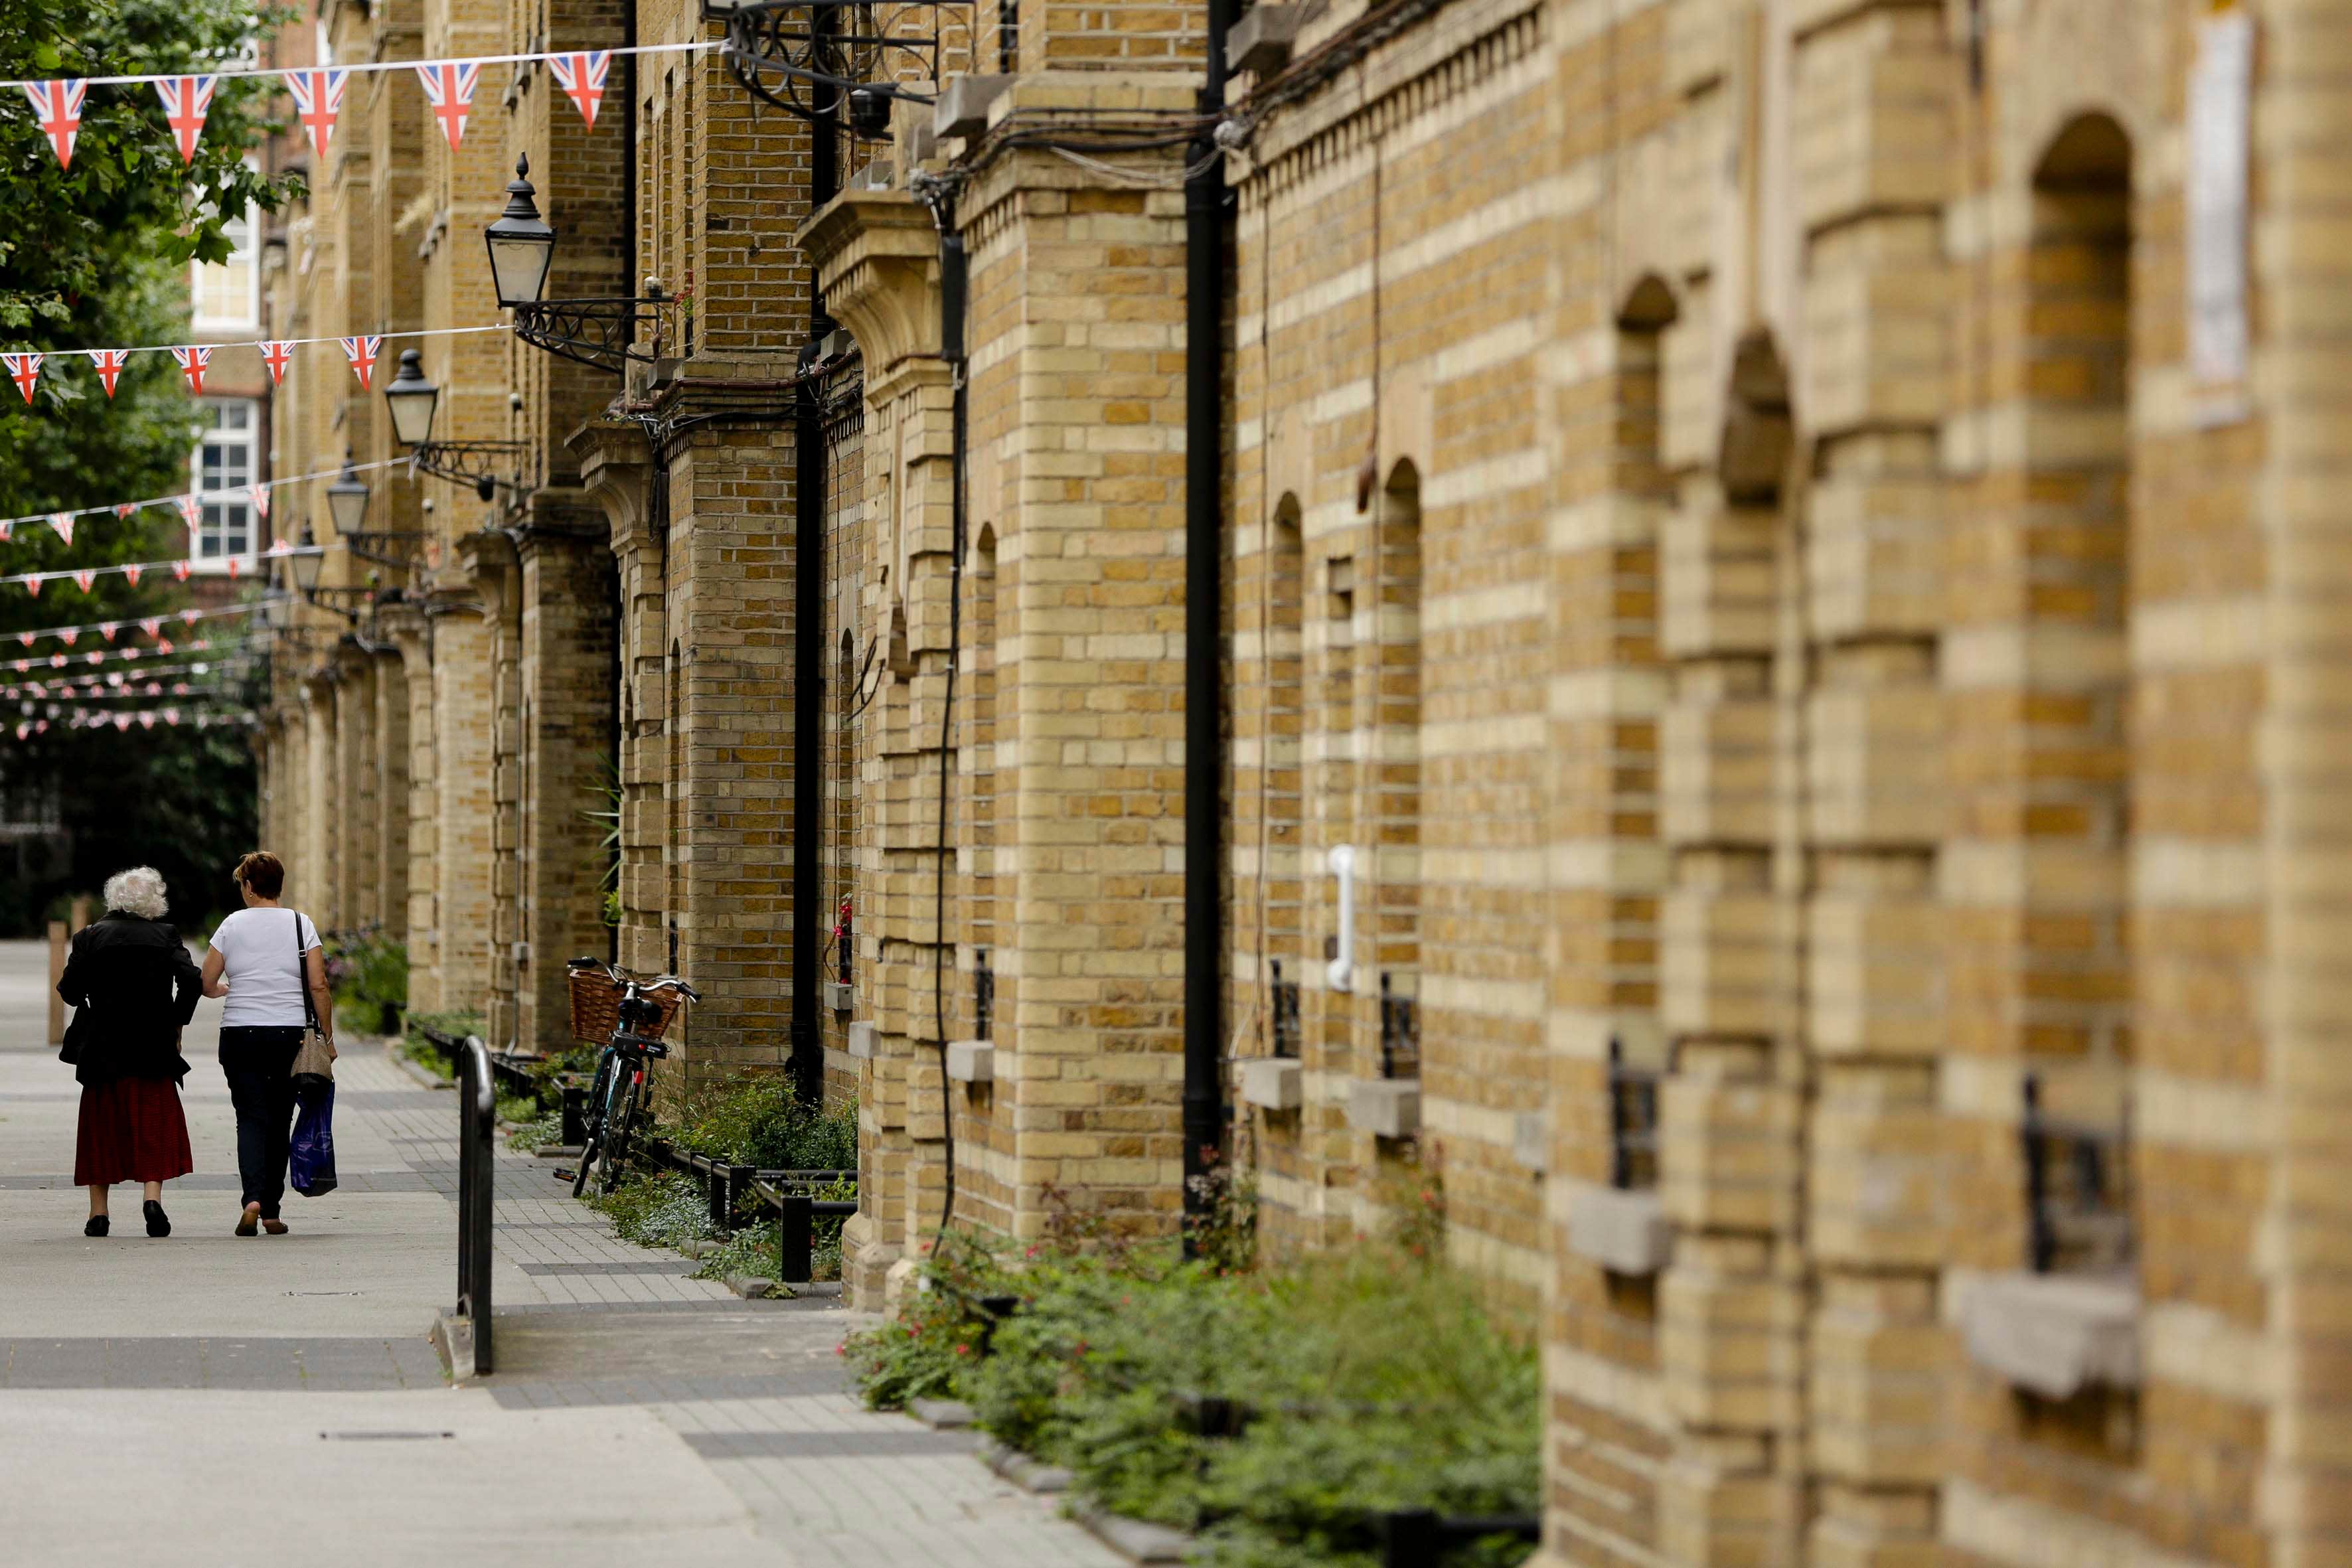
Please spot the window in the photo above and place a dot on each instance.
(229, 293)
(225, 467)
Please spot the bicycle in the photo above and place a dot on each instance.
(616, 1098)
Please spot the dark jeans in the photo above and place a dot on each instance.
(259, 1063)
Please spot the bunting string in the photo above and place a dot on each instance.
(318, 91)
(196, 359)
(258, 494)
(149, 625)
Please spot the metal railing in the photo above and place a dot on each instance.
(478, 1127)
(1633, 1123)
(2077, 1192)
(1421, 1538)
(1284, 1004)
(728, 1189)
(1400, 1032)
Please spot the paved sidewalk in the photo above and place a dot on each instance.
(216, 1400)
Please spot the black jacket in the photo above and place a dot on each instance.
(144, 985)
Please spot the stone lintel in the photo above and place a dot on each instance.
(864, 1041)
(2054, 1334)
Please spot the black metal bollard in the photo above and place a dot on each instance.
(575, 1115)
(795, 1237)
(477, 1125)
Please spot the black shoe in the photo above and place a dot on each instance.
(158, 1222)
(97, 1226)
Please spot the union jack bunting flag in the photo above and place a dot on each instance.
(317, 98)
(124, 508)
(70, 635)
(152, 625)
(5, 530)
(33, 586)
(362, 352)
(190, 617)
(109, 629)
(180, 569)
(24, 370)
(232, 565)
(130, 575)
(582, 78)
(191, 509)
(187, 100)
(261, 500)
(57, 106)
(277, 355)
(450, 87)
(109, 363)
(63, 521)
(26, 638)
(192, 362)
(84, 579)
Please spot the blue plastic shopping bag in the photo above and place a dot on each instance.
(311, 1160)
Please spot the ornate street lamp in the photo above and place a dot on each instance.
(523, 246)
(600, 333)
(412, 398)
(306, 560)
(347, 501)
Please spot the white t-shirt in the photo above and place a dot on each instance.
(265, 987)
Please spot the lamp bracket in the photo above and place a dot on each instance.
(600, 333)
(464, 462)
(823, 49)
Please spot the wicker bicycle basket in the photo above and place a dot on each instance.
(596, 1006)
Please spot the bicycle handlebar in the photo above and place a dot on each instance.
(618, 977)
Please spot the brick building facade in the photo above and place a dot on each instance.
(1781, 617)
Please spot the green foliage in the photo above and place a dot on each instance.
(1374, 1376)
(657, 1210)
(535, 1129)
(605, 858)
(422, 1052)
(96, 255)
(755, 1121)
(367, 968)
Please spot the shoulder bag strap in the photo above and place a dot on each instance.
(302, 975)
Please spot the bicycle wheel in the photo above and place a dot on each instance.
(628, 1101)
(591, 1143)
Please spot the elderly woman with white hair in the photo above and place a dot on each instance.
(136, 988)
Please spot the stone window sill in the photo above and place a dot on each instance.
(1386, 1107)
(971, 1061)
(1624, 1231)
(1273, 1083)
(2054, 1334)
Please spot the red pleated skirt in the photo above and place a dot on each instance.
(132, 1130)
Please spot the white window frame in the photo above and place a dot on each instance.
(245, 242)
(218, 522)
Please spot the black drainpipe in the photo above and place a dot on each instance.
(1204, 935)
(807, 1069)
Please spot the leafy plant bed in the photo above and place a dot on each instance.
(1277, 1413)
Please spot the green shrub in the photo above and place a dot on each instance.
(657, 1210)
(756, 1121)
(1374, 1376)
(535, 1129)
(366, 969)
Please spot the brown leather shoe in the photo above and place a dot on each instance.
(249, 1222)
(274, 1226)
